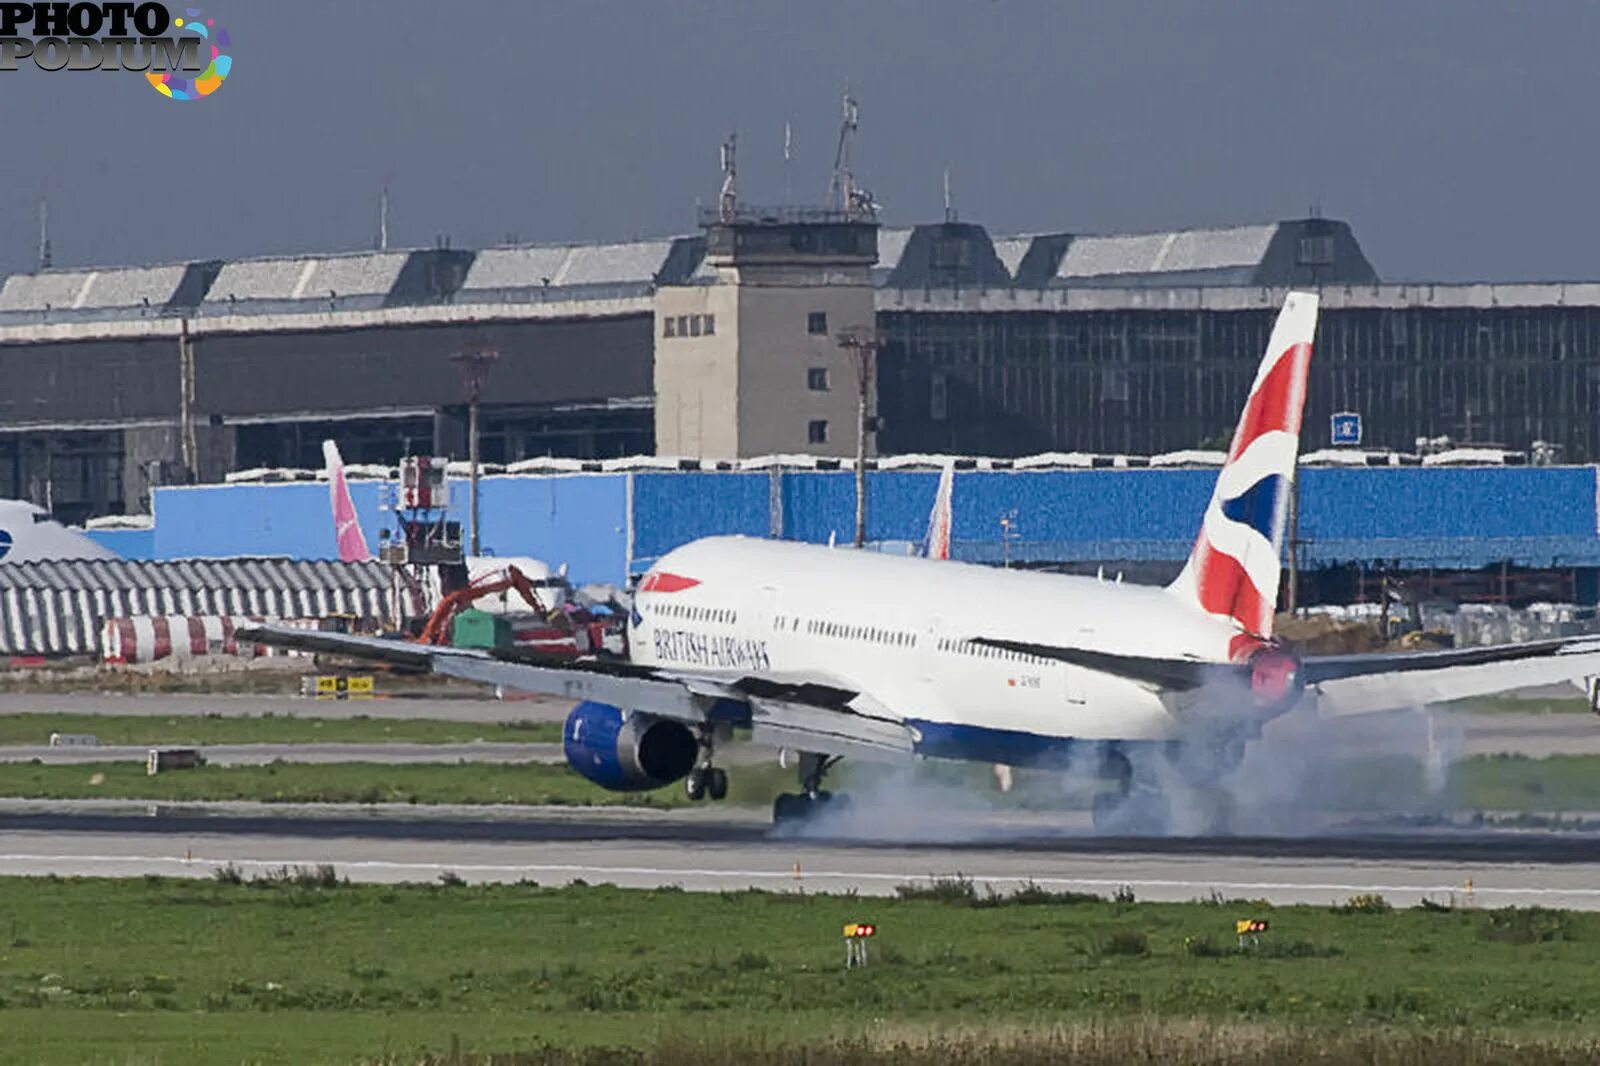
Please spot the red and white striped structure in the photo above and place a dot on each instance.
(1235, 565)
(152, 638)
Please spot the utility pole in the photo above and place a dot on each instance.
(474, 365)
(187, 443)
(863, 343)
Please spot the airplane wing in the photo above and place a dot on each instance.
(812, 717)
(1360, 684)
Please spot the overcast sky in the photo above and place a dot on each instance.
(1456, 136)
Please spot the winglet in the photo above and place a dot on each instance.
(347, 533)
(1235, 565)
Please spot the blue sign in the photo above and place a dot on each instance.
(1346, 428)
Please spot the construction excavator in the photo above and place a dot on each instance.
(437, 629)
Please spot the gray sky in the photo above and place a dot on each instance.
(1454, 135)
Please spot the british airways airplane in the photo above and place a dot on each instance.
(835, 653)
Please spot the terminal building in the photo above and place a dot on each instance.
(726, 344)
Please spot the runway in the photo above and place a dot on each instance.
(710, 851)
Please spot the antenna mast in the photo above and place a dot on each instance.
(383, 219)
(46, 259)
(841, 187)
(728, 200)
(949, 204)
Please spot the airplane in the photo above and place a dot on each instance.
(832, 654)
(29, 535)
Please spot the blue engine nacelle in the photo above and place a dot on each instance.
(633, 754)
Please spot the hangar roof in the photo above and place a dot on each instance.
(954, 256)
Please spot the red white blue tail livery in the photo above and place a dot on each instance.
(1234, 568)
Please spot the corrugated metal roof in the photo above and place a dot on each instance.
(515, 268)
(891, 249)
(1173, 252)
(58, 608)
(308, 277)
(1011, 250)
(635, 263)
(112, 288)
(606, 264)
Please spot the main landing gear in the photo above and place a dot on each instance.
(706, 780)
(1163, 790)
(813, 799)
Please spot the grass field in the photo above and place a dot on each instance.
(268, 729)
(1563, 783)
(308, 969)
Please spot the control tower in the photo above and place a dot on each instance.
(747, 356)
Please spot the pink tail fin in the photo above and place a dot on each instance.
(347, 533)
(939, 520)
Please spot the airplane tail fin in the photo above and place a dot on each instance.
(1236, 563)
(939, 521)
(346, 529)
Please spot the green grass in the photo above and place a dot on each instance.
(1502, 783)
(1563, 704)
(269, 729)
(312, 970)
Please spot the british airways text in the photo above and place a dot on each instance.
(702, 649)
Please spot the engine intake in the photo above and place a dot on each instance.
(632, 753)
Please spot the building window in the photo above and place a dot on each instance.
(669, 327)
(817, 379)
(817, 323)
(695, 322)
(711, 326)
(938, 399)
(1316, 251)
(817, 431)
(683, 325)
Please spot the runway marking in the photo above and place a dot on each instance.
(788, 875)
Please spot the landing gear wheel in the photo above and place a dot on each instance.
(694, 786)
(716, 782)
(789, 808)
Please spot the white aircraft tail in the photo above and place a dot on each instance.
(1236, 563)
(351, 542)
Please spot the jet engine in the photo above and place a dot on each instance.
(1275, 679)
(627, 753)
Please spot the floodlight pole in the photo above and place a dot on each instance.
(474, 365)
(863, 343)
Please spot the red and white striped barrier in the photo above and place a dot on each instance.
(151, 638)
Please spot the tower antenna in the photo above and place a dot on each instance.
(841, 187)
(46, 257)
(788, 160)
(383, 218)
(949, 204)
(728, 200)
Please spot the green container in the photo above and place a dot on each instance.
(477, 629)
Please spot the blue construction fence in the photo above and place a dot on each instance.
(609, 526)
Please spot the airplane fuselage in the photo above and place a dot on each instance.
(900, 630)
